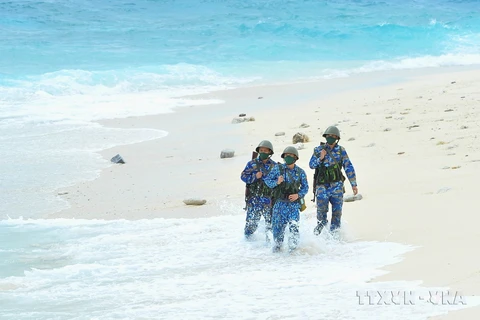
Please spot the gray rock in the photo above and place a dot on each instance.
(444, 189)
(62, 193)
(242, 115)
(351, 139)
(194, 202)
(278, 134)
(300, 137)
(243, 119)
(299, 146)
(304, 125)
(227, 153)
(387, 129)
(117, 159)
(351, 197)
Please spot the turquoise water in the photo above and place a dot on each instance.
(65, 63)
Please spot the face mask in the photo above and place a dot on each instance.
(289, 160)
(264, 156)
(331, 140)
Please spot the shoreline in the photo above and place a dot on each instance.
(410, 182)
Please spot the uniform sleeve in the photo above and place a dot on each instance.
(349, 169)
(315, 159)
(248, 174)
(271, 179)
(303, 185)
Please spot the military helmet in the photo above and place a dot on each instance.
(291, 150)
(265, 144)
(333, 131)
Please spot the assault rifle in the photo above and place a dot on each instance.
(315, 176)
(247, 192)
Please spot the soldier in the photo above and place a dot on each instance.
(328, 160)
(290, 185)
(258, 195)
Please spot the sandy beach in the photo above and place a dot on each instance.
(412, 138)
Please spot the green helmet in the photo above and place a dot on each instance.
(291, 150)
(265, 144)
(333, 131)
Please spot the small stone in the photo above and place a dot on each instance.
(304, 125)
(117, 159)
(453, 82)
(388, 117)
(445, 168)
(462, 97)
(440, 143)
(370, 145)
(401, 152)
(404, 113)
(260, 97)
(449, 110)
(351, 198)
(351, 139)
(62, 193)
(278, 134)
(194, 202)
(227, 153)
(413, 126)
(387, 129)
(456, 167)
(300, 137)
(243, 119)
(419, 97)
(299, 146)
(443, 190)
(463, 127)
(242, 115)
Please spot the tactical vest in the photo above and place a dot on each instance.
(258, 188)
(324, 174)
(282, 191)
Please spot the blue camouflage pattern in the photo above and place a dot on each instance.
(257, 206)
(332, 193)
(284, 211)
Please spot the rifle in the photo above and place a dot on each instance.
(247, 192)
(315, 176)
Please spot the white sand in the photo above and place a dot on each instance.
(423, 196)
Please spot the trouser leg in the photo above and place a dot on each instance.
(253, 217)
(322, 208)
(336, 200)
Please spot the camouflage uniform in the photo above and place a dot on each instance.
(331, 192)
(284, 211)
(259, 199)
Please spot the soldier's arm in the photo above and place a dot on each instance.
(349, 169)
(304, 185)
(271, 179)
(315, 159)
(248, 174)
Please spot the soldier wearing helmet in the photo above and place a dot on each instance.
(258, 195)
(290, 185)
(328, 160)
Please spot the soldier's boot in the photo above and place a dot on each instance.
(320, 225)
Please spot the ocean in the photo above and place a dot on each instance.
(65, 64)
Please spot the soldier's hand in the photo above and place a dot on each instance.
(322, 154)
(293, 197)
(355, 190)
(259, 175)
(280, 180)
